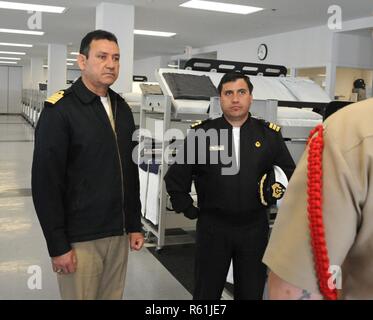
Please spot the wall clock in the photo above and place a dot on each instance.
(262, 51)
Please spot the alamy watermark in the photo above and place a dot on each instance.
(335, 20)
(34, 282)
(202, 147)
(34, 22)
(335, 280)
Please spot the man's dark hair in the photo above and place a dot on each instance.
(95, 35)
(232, 77)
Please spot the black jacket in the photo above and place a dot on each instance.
(233, 197)
(85, 185)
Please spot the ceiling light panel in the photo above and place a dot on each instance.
(31, 7)
(9, 58)
(28, 32)
(220, 7)
(154, 33)
(13, 52)
(16, 44)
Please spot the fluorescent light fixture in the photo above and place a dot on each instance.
(69, 64)
(72, 60)
(154, 33)
(31, 7)
(9, 58)
(10, 62)
(45, 66)
(16, 44)
(74, 53)
(220, 7)
(13, 52)
(28, 32)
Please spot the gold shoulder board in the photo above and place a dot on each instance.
(196, 124)
(55, 97)
(199, 123)
(274, 127)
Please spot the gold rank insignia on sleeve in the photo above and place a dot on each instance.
(55, 97)
(274, 127)
(196, 124)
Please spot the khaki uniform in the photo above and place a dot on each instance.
(100, 272)
(347, 209)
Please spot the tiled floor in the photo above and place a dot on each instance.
(23, 253)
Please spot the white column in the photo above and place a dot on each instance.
(330, 80)
(56, 68)
(27, 75)
(120, 20)
(331, 66)
(36, 72)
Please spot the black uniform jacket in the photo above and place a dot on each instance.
(85, 185)
(233, 197)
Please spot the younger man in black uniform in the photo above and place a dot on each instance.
(232, 222)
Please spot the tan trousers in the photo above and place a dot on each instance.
(101, 270)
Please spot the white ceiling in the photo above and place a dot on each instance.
(195, 28)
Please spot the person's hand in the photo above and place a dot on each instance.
(192, 212)
(66, 263)
(136, 240)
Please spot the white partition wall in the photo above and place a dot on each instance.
(15, 90)
(10, 89)
(4, 89)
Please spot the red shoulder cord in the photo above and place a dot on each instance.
(314, 190)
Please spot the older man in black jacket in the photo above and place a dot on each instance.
(85, 186)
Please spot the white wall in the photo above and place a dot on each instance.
(147, 67)
(306, 48)
(355, 49)
(302, 48)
